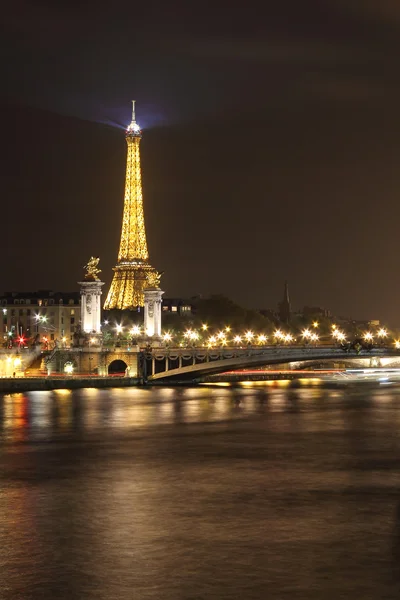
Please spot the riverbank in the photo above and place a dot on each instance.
(32, 384)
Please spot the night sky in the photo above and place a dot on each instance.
(270, 151)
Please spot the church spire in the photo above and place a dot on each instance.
(284, 306)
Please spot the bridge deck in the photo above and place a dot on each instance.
(213, 362)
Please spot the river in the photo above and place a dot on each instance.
(213, 492)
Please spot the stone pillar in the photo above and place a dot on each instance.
(91, 306)
(152, 311)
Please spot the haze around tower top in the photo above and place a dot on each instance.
(270, 147)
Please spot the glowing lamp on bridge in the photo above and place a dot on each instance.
(221, 335)
(288, 338)
(314, 337)
(191, 335)
(279, 335)
(237, 339)
(339, 335)
(262, 339)
(204, 327)
(249, 335)
(315, 324)
(167, 337)
(397, 344)
(382, 333)
(306, 334)
(368, 337)
(119, 328)
(69, 368)
(135, 330)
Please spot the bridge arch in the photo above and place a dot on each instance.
(268, 356)
(117, 366)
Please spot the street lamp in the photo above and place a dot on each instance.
(249, 335)
(382, 334)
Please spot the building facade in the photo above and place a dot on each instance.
(43, 317)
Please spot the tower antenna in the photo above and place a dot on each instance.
(133, 111)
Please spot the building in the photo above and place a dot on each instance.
(43, 316)
(133, 270)
(177, 306)
(316, 312)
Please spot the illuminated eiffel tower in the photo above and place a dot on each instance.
(133, 268)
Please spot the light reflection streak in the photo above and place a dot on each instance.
(125, 410)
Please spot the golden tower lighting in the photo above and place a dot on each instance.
(133, 268)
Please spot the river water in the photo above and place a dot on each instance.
(214, 492)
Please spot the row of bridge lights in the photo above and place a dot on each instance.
(249, 337)
(307, 335)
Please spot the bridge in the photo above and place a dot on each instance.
(162, 363)
(180, 364)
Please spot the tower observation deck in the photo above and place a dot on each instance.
(133, 269)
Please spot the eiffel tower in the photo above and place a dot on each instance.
(133, 268)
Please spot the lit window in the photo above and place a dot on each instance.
(174, 308)
(165, 308)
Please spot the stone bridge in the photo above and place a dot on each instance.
(94, 360)
(185, 364)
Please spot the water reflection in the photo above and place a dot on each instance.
(213, 492)
(43, 415)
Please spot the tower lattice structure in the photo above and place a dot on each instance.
(133, 268)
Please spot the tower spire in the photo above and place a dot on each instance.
(284, 306)
(133, 268)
